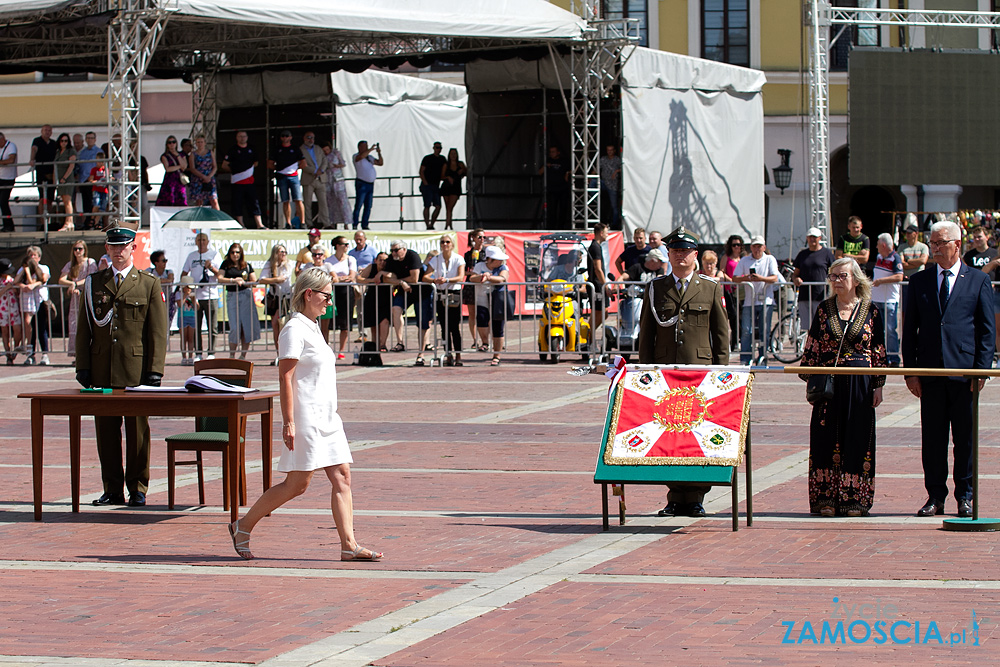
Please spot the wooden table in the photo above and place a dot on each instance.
(121, 403)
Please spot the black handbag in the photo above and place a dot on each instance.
(504, 304)
(819, 388)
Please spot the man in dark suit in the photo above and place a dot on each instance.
(121, 342)
(683, 321)
(948, 324)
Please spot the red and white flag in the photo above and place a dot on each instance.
(678, 417)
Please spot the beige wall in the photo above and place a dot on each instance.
(674, 26)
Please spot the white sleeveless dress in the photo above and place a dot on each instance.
(320, 440)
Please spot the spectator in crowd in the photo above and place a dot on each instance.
(914, 252)
(812, 265)
(73, 277)
(567, 268)
(709, 267)
(241, 160)
(403, 270)
(656, 241)
(476, 240)
(731, 256)
(557, 193)
(847, 331)
(447, 271)
(304, 259)
(611, 183)
(597, 274)
(173, 190)
(313, 181)
(986, 259)
(313, 432)
(8, 174)
(377, 306)
(364, 181)
(98, 191)
(128, 352)
(854, 244)
(109, 149)
(761, 271)
(491, 275)
(202, 167)
(184, 299)
(43, 154)
(86, 160)
(319, 254)
(277, 275)
(285, 164)
(633, 252)
(668, 335)
(888, 272)
(77, 146)
(652, 265)
(344, 269)
(948, 324)
(203, 266)
(337, 203)
(10, 311)
(65, 166)
(238, 276)
(431, 173)
(362, 253)
(158, 269)
(451, 185)
(35, 305)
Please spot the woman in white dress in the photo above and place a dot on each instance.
(313, 432)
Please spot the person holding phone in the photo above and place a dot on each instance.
(761, 271)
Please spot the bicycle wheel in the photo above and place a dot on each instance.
(788, 341)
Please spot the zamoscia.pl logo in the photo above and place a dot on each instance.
(877, 623)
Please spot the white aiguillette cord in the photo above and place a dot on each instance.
(89, 296)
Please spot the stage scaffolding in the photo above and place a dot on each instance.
(67, 37)
(820, 17)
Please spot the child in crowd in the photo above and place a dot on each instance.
(188, 308)
(10, 311)
(98, 176)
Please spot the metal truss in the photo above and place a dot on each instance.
(132, 38)
(205, 109)
(595, 67)
(820, 16)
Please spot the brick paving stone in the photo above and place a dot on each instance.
(650, 624)
(145, 616)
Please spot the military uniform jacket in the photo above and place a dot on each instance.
(121, 333)
(698, 335)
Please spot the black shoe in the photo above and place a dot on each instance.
(672, 509)
(965, 509)
(110, 499)
(137, 499)
(931, 507)
(696, 510)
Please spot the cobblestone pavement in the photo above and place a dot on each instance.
(477, 483)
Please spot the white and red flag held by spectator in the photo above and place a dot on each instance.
(678, 417)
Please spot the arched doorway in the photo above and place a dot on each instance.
(868, 203)
(865, 201)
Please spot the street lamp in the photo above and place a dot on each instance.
(783, 173)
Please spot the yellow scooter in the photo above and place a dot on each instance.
(561, 328)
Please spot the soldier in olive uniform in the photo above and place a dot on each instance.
(683, 321)
(121, 342)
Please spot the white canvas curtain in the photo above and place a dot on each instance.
(693, 146)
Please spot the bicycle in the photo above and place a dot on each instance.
(788, 340)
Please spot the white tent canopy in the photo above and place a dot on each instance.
(693, 145)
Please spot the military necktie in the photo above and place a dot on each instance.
(118, 281)
(680, 286)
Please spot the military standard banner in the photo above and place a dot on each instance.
(678, 417)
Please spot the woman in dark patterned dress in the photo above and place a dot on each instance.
(172, 191)
(842, 430)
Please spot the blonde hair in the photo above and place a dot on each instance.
(709, 255)
(312, 278)
(862, 285)
(272, 261)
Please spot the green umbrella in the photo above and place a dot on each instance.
(201, 217)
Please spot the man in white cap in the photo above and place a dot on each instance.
(761, 271)
(811, 266)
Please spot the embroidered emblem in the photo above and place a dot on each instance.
(724, 381)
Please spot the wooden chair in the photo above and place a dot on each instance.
(211, 434)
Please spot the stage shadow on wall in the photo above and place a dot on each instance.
(689, 204)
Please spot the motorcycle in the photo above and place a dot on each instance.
(561, 328)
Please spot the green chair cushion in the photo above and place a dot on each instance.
(200, 436)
